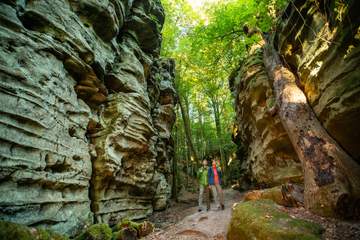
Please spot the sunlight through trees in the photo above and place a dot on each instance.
(207, 41)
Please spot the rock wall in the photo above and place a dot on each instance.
(270, 158)
(320, 42)
(323, 48)
(87, 108)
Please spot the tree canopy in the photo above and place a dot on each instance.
(208, 43)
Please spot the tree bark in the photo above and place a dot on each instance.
(202, 134)
(331, 176)
(174, 164)
(186, 120)
(215, 106)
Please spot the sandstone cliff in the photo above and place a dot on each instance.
(87, 108)
(319, 45)
(270, 157)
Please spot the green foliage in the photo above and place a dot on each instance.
(96, 232)
(207, 44)
(126, 223)
(10, 231)
(126, 228)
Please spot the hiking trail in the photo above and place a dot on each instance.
(201, 225)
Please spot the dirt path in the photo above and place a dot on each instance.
(200, 225)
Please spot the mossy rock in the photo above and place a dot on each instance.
(125, 234)
(11, 231)
(128, 230)
(96, 232)
(288, 195)
(263, 220)
(146, 228)
(269, 193)
(126, 223)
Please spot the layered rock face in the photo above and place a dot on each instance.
(87, 109)
(132, 145)
(270, 158)
(321, 47)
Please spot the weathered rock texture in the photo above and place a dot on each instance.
(263, 219)
(86, 112)
(323, 49)
(271, 159)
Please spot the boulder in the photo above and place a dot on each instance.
(264, 220)
(288, 195)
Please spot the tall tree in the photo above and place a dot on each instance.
(174, 187)
(185, 116)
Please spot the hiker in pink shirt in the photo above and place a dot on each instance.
(214, 178)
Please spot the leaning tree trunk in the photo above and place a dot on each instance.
(331, 176)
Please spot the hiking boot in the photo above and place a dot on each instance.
(199, 210)
(222, 206)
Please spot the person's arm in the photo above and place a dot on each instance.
(209, 174)
(198, 174)
(220, 174)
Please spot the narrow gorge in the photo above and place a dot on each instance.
(122, 119)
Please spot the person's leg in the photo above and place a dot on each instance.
(201, 193)
(207, 197)
(221, 194)
(213, 190)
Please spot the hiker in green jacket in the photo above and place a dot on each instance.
(202, 176)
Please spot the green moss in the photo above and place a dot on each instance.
(127, 228)
(262, 218)
(126, 223)
(125, 233)
(96, 232)
(270, 102)
(15, 231)
(44, 234)
(10, 231)
(303, 224)
(117, 235)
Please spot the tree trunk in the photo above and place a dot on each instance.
(215, 106)
(185, 117)
(331, 176)
(174, 164)
(188, 155)
(202, 134)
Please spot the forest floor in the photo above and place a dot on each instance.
(182, 221)
(334, 229)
